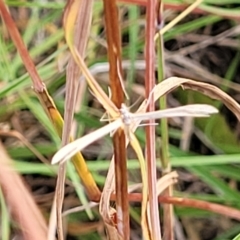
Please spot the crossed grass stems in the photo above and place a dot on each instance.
(129, 122)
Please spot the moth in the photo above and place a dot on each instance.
(124, 121)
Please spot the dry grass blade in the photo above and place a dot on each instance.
(79, 7)
(192, 203)
(163, 184)
(104, 205)
(209, 90)
(74, 88)
(144, 221)
(215, 93)
(183, 63)
(20, 202)
(181, 60)
(166, 181)
(69, 21)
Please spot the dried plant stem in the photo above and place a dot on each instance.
(150, 129)
(193, 203)
(83, 21)
(119, 141)
(168, 233)
(38, 85)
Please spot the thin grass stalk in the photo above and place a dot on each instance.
(150, 129)
(119, 141)
(59, 199)
(71, 90)
(168, 233)
(163, 105)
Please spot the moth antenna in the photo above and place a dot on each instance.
(121, 80)
(135, 103)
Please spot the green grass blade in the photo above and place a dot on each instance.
(218, 186)
(37, 110)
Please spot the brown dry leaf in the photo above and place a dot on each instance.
(104, 205)
(112, 232)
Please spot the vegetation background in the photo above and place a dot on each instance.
(203, 46)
